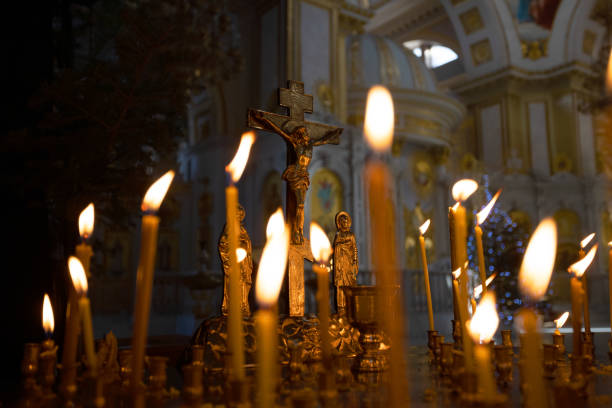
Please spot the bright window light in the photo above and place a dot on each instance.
(418, 52)
(435, 54)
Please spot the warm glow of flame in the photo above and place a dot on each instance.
(77, 274)
(271, 269)
(585, 241)
(456, 273)
(485, 320)
(238, 163)
(609, 75)
(241, 253)
(319, 244)
(478, 289)
(560, 321)
(379, 119)
(484, 213)
(423, 228)
(457, 204)
(48, 321)
(276, 223)
(539, 260)
(580, 267)
(86, 221)
(463, 189)
(156, 193)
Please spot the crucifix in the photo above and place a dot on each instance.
(301, 137)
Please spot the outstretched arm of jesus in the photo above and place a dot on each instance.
(331, 137)
(259, 117)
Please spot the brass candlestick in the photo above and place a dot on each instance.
(48, 361)
(559, 342)
(446, 359)
(197, 354)
(29, 366)
(457, 370)
(550, 360)
(125, 367)
(430, 344)
(456, 324)
(157, 376)
(192, 383)
(438, 340)
(588, 349)
(507, 342)
(503, 365)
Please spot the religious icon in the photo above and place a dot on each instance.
(246, 266)
(296, 174)
(346, 261)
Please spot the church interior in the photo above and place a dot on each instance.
(107, 96)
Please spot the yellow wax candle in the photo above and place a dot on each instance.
(423, 229)
(234, 325)
(610, 282)
(144, 276)
(481, 262)
(71, 339)
(235, 339)
(466, 341)
(535, 393)
(473, 302)
(265, 330)
(378, 129)
(585, 286)
(486, 382)
(270, 276)
(79, 280)
(576, 294)
(453, 256)
(84, 252)
(86, 226)
(480, 218)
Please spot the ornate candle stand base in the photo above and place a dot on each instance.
(158, 376)
(362, 304)
(47, 374)
(503, 365)
(559, 342)
(29, 367)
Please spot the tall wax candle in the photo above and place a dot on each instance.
(480, 218)
(83, 251)
(69, 350)
(453, 256)
(234, 320)
(535, 393)
(270, 276)
(423, 229)
(585, 285)
(610, 283)
(466, 341)
(146, 268)
(79, 280)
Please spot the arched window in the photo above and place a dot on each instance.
(432, 53)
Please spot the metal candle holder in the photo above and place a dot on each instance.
(559, 342)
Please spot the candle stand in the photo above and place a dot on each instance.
(559, 342)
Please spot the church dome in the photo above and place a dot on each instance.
(424, 114)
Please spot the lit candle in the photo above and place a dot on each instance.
(423, 229)
(378, 129)
(478, 289)
(466, 341)
(48, 323)
(558, 338)
(461, 191)
(270, 276)
(576, 271)
(560, 321)
(234, 327)
(79, 280)
(86, 226)
(480, 218)
(585, 287)
(146, 268)
(321, 251)
(534, 277)
(482, 328)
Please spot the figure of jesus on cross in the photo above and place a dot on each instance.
(299, 134)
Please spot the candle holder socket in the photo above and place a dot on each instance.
(67, 386)
(157, 376)
(48, 360)
(456, 324)
(507, 342)
(438, 340)
(559, 342)
(29, 366)
(457, 370)
(126, 359)
(193, 389)
(503, 365)
(550, 361)
(446, 359)
(469, 388)
(430, 344)
(197, 354)
(588, 348)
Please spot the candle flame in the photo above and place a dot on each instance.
(484, 213)
(463, 189)
(319, 244)
(454, 207)
(585, 241)
(77, 274)
(478, 289)
(423, 228)
(272, 265)
(238, 163)
(86, 221)
(276, 223)
(560, 321)
(485, 320)
(456, 273)
(48, 321)
(379, 118)
(156, 193)
(241, 253)
(610, 244)
(539, 259)
(580, 267)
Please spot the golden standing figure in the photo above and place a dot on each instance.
(246, 265)
(346, 261)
